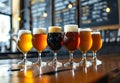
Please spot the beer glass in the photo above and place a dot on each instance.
(55, 42)
(39, 41)
(85, 44)
(24, 44)
(71, 42)
(96, 45)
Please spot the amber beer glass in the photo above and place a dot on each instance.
(39, 42)
(96, 45)
(71, 42)
(24, 44)
(55, 42)
(85, 44)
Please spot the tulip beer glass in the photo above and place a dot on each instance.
(55, 42)
(71, 42)
(96, 45)
(39, 42)
(24, 44)
(85, 44)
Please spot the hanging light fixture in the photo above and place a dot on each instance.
(44, 14)
(70, 5)
(19, 18)
(108, 9)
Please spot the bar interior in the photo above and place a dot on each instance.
(59, 41)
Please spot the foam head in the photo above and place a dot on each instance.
(84, 29)
(95, 32)
(23, 31)
(39, 30)
(71, 28)
(55, 29)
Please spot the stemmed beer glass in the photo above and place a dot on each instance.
(39, 42)
(85, 45)
(96, 45)
(24, 44)
(55, 42)
(71, 42)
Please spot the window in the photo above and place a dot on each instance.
(5, 24)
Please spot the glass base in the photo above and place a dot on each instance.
(71, 64)
(24, 62)
(55, 64)
(40, 63)
(85, 63)
(96, 62)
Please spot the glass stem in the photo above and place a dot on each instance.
(55, 57)
(39, 57)
(71, 57)
(84, 56)
(25, 58)
(94, 56)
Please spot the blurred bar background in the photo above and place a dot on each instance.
(99, 15)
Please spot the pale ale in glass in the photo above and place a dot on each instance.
(85, 45)
(97, 41)
(39, 42)
(96, 45)
(85, 41)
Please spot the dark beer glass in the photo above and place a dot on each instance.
(55, 42)
(71, 42)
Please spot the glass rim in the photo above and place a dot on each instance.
(39, 30)
(97, 32)
(20, 32)
(74, 25)
(70, 28)
(52, 29)
(84, 29)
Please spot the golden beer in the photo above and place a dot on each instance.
(85, 41)
(39, 39)
(97, 41)
(25, 42)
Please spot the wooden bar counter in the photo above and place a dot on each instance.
(104, 73)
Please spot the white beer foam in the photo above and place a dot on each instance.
(95, 32)
(84, 29)
(71, 28)
(54, 29)
(23, 31)
(39, 30)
